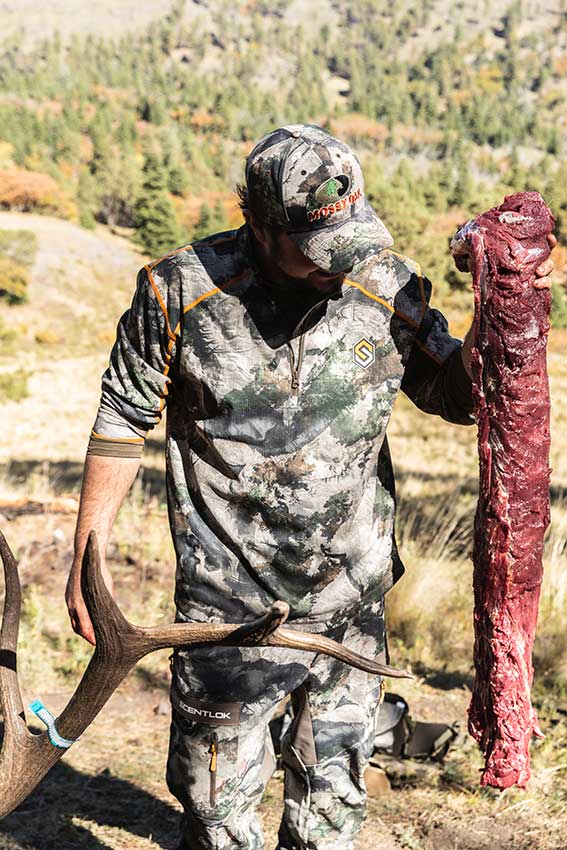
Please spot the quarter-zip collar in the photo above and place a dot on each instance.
(297, 306)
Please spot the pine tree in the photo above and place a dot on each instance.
(219, 216)
(463, 187)
(204, 226)
(88, 197)
(157, 228)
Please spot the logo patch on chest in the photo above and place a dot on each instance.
(363, 353)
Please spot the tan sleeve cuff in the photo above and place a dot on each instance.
(115, 447)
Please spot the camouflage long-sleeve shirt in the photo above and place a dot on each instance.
(279, 479)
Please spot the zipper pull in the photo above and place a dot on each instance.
(213, 750)
(293, 369)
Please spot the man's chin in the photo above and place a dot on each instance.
(325, 283)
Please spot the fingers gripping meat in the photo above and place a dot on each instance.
(511, 396)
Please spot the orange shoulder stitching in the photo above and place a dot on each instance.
(173, 337)
(207, 294)
(165, 372)
(383, 302)
(400, 314)
(157, 294)
(370, 295)
(155, 263)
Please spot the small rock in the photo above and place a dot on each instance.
(402, 772)
(377, 782)
(161, 708)
(59, 536)
(112, 552)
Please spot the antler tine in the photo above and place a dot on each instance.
(109, 624)
(118, 648)
(319, 643)
(126, 643)
(10, 695)
(17, 738)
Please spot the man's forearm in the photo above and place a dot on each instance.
(106, 481)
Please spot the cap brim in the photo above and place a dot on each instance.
(339, 247)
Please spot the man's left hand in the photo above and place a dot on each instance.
(544, 271)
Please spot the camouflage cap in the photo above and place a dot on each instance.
(303, 179)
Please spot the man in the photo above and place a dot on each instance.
(279, 349)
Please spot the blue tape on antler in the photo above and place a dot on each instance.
(46, 717)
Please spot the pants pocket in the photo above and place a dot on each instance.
(202, 767)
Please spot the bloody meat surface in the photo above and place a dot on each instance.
(511, 396)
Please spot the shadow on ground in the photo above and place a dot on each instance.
(443, 680)
(45, 820)
(64, 476)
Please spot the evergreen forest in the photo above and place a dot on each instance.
(449, 109)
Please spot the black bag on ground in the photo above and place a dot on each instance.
(396, 734)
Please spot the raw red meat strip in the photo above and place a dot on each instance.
(511, 397)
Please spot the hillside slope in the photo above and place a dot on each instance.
(79, 17)
(80, 284)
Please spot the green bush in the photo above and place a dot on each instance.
(18, 249)
(155, 220)
(8, 338)
(87, 219)
(14, 385)
(14, 280)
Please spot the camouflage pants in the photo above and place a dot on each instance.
(218, 771)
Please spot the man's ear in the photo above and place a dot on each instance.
(260, 233)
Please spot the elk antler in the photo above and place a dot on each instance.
(25, 758)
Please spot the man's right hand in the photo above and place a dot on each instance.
(80, 620)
